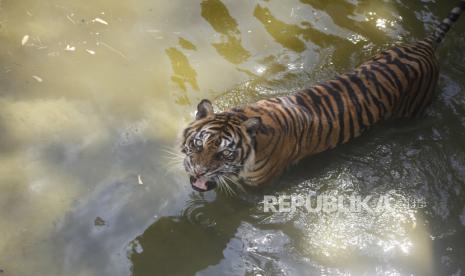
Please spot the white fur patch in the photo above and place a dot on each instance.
(457, 10)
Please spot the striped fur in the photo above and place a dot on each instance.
(267, 136)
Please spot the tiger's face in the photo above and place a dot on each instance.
(217, 147)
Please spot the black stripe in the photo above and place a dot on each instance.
(316, 104)
(430, 71)
(341, 110)
(392, 74)
(378, 86)
(355, 101)
(328, 117)
(277, 119)
(282, 115)
(453, 17)
(419, 92)
(379, 104)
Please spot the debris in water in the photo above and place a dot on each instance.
(90, 52)
(53, 54)
(70, 48)
(37, 78)
(139, 180)
(24, 40)
(71, 19)
(101, 21)
(112, 49)
(99, 221)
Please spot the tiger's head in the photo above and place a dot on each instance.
(217, 147)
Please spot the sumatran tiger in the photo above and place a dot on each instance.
(254, 143)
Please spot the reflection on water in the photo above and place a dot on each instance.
(92, 95)
(183, 72)
(198, 235)
(186, 44)
(288, 35)
(344, 14)
(216, 13)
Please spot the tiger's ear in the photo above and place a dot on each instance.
(204, 109)
(253, 125)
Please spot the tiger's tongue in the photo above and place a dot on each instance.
(201, 183)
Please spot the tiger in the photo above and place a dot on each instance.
(253, 144)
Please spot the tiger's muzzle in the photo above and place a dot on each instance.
(202, 184)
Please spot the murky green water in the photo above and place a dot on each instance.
(93, 92)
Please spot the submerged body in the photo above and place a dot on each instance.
(253, 144)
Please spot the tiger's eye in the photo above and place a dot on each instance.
(198, 143)
(226, 152)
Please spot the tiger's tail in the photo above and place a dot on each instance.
(438, 35)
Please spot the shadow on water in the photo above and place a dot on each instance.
(191, 241)
(216, 13)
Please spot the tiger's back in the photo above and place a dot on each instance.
(396, 83)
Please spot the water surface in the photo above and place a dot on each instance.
(93, 93)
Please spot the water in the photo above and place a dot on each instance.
(92, 93)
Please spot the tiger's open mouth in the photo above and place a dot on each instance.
(202, 184)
